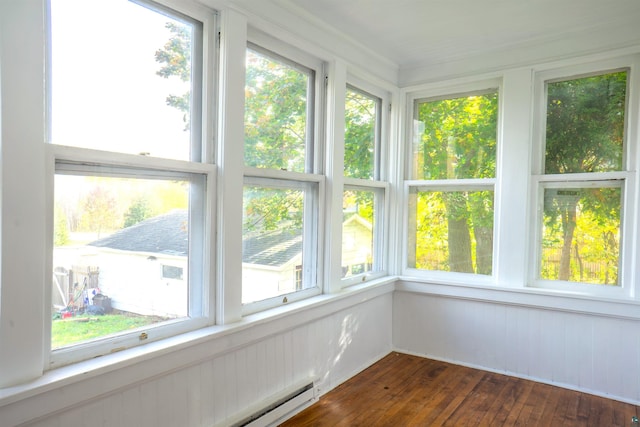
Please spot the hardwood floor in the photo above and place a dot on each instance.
(404, 390)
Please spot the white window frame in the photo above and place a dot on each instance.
(438, 93)
(379, 185)
(200, 171)
(626, 179)
(380, 207)
(314, 149)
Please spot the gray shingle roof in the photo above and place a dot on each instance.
(273, 248)
(168, 234)
(163, 234)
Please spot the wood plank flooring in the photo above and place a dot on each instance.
(404, 390)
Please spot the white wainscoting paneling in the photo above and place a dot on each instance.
(328, 349)
(595, 353)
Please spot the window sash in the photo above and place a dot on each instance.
(380, 203)
(84, 162)
(377, 137)
(453, 186)
(312, 188)
(198, 89)
(310, 120)
(623, 180)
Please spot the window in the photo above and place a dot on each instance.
(451, 194)
(282, 190)
(130, 191)
(172, 272)
(364, 192)
(583, 182)
(142, 95)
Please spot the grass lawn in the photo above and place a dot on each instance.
(84, 327)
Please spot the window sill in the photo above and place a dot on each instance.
(102, 375)
(546, 299)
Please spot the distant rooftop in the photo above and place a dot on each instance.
(168, 235)
(164, 234)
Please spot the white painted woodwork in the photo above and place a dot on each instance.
(210, 375)
(210, 382)
(233, 45)
(598, 354)
(22, 218)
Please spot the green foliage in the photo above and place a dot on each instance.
(359, 202)
(360, 135)
(61, 227)
(585, 124)
(267, 209)
(590, 253)
(275, 114)
(459, 138)
(454, 230)
(138, 211)
(84, 327)
(584, 134)
(99, 211)
(176, 59)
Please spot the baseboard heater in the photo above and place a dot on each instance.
(285, 404)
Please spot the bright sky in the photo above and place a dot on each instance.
(105, 92)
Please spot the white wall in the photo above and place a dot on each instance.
(595, 353)
(215, 379)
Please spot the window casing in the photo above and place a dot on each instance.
(365, 191)
(451, 191)
(283, 186)
(157, 153)
(584, 181)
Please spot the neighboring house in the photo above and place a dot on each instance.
(271, 264)
(143, 268)
(357, 250)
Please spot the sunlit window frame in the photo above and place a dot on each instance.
(200, 171)
(314, 200)
(626, 179)
(379, 185)
(442, 185)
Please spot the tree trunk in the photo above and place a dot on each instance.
(568, 228)
(484, 249)
(459, 245)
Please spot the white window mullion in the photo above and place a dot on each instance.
(336, 92)
(231, 161)
(512, 203)
(22, 200)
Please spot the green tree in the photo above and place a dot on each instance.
(138, 211)
(458, 142)
(359, 135)
(99, 211)
(584, 134)
(61, 227)
(275, 124)
(176, 59)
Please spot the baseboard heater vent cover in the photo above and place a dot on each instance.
(288, 404)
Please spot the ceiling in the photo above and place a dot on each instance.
(417, 33)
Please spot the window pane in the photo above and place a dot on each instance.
(360, 137)
(451, 231)
(273, 242)
(581, 235)
(113, 238)
(121, 78)
(276, 114)
(585, 124)
(358, 216)
(456, 138)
